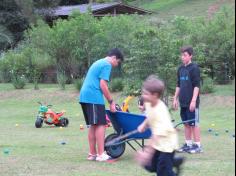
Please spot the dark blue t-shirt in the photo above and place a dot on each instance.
(91, 91)
(188, 79)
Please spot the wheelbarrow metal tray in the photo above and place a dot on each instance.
(126, 122)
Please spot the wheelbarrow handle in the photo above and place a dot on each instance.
(120, 138)
(183, 122)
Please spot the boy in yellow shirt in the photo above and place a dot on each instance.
(158, 156)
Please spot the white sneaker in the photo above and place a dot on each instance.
(92, 157)
(103, 157)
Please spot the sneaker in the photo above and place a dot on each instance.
(92, 157)
(103, 157)
(184, 149)
(195, 149)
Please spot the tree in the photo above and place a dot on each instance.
(73, 2)
(13, 21)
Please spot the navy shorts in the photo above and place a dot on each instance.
(94, 114)
(162, 163)
(191, 117)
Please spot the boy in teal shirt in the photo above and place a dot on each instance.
(95, 86)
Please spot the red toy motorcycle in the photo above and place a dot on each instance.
(48, 116)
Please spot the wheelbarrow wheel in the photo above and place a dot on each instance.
(115, 151)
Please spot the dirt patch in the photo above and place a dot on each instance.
(39, 95)
(218, 101)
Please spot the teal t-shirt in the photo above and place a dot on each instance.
(91, 91)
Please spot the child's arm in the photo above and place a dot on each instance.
(194, 99)
(196, 84)
(143, 126)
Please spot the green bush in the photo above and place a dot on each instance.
(117, 85)
(148, 48)
(78, 83)
(19, 82)
(5, 76)
(132, 87)
(62, 79)
(207, 86)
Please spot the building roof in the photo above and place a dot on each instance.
(99, 9)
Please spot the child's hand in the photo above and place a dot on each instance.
(113, 107)
(175, 104)
(192, 106)
(141, 108)
(141, 128)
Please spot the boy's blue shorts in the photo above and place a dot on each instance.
(193, 117)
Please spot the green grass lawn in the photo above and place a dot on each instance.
(167, 9)
(38, 152)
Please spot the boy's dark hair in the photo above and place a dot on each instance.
(154, 85)
(188, 49)
(116, 52)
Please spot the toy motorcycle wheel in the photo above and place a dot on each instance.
(39, 123)
(64, 122)
(115, 151)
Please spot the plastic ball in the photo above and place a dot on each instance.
(81, 127)
(6, 151)
(63, 143)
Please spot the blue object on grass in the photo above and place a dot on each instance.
(63, 143)
(210, 130)
(6, 151)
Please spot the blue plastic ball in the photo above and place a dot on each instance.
(63, 143)
(209, 130)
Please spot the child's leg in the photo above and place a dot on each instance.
(100, 138)
(196, 134)
(151, 167)
(187, 128)
(92, 140)
(188, 133)
(165, 164)
(196, 128)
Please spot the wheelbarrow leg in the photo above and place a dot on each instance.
(131, 146)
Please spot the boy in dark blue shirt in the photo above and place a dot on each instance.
(187, 94)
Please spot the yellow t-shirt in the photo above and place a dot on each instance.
(159, 120)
